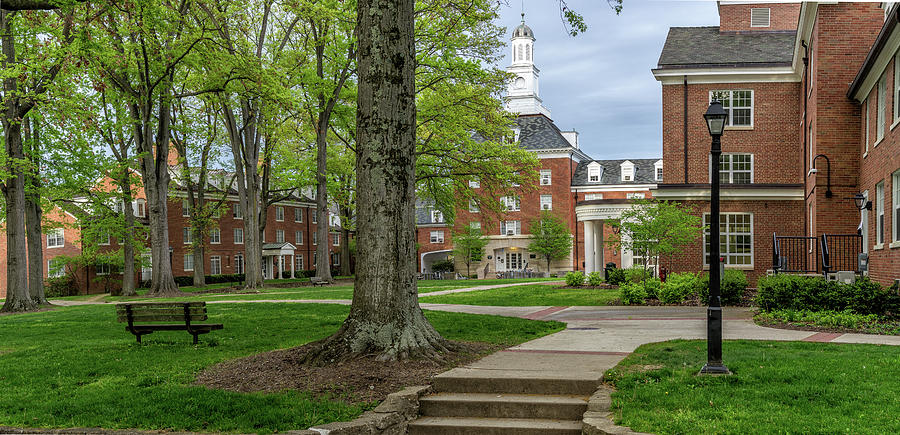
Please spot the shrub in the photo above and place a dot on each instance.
(733, 286)
(791, 292)
(184, 281)
(679, 287)
(595, 278)
(616, 276)
(575, 279)
(61, 286)
(443, 266)
(652, 286)
(632, 293)
(636, 274)
(828, 319)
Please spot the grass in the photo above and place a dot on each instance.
(77, 367)
(840, 320)
(777, 387)
(528, 295)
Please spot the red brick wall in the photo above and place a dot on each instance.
(736, 18)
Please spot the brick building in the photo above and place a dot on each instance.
(569, 180)
(809, 127)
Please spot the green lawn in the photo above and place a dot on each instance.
(777, 387)
(77, 367)
(528, 295)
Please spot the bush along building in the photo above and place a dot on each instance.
(582, 191)
(288, 245)
(811, 162)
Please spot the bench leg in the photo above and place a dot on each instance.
(195, 338)
(138, 336)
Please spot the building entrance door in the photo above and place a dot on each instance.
(514, 261)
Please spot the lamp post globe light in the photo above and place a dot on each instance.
(715, 120)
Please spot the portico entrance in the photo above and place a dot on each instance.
(277, 256)
(593, 214)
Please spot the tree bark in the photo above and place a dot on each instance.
(345, 252)
(385, 318)
(128, 277)
(33, 215)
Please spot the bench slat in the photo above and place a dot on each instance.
(159, 304)
(176, 327)
(167, 310)
(161, 317)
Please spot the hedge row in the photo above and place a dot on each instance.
(791, 292)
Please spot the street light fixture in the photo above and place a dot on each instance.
(861, 202)
(828, 193)
(715, 120)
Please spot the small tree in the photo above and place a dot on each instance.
(655, 228)
(469, 247)
(550, 238)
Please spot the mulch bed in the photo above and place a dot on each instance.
(363, 380)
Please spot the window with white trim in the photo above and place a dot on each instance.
(475, 183)
(738, 104)
(315, 237)
(896, 89)
(185, 208)
(437, 217)
(336, 239)
(119, 206)
(475, 225)
(545, 177)
(736, 168)
(658, 169)
(187, 236)
(215, 265)
(279, 213)
(546, 202)
(594, 174)
(315, 216)
(511, 203)
(593, 196)
(635, 195)
(55, 268)
(279, 236)
(895, 218)
(103, 269)
(298, 237)
(236, 211)
(298, 260)
(238, 236)
(510, 228)
(437, 237)
(735, 238)
(335, 259)
(473, 206)
(215, 236)
(628, 171)
(298, 214)
(188, 262)
(879, 213)
(238, 263)
(760, 17)
(103, 238)
(882, 103)
(140, 208)
(56, 238)
(868, 127)
(216, 211)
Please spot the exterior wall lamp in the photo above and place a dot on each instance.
(861, 202)
(828, 193)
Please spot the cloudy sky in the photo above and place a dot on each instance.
(599, 83)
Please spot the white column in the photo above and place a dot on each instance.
(280, 266)
(293, 260)
(588, 246)
(598, 246)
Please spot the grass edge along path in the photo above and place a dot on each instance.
(529, 295)
(78, 367)
(777, 387)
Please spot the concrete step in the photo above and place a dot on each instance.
(492, 426)
(469, 380)
(503, 406)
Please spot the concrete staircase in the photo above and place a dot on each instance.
(479, 400)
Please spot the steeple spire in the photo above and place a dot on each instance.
(522, 94)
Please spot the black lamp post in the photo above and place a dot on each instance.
(715, 120)
(828, 193)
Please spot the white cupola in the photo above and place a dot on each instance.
(522, 95)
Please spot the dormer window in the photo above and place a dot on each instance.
(627, 171)
(658, 170)
(594, 172)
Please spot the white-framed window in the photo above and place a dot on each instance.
(760, 17)
(298, 261)
(238, 263)
(216, 211)
(628, 171)
(868, 128)
(635, 195)
(510, 228)
(437, 237)
(185, 208)
(140, 207)
(315, 235)
(335, 259)
(879, 213)
(437, 217)
(475, 183)
(279, 213)
(546, 202)
(515, 182)
(658, 170)
(263, 236)
(238, 236)
(546, 178)
(896, 90)
(279, 236)
(738, 104)
(895, 218)
(511, 203)
(593, 196)
(882, 103)
(594, 174)
(298, 237)
(55, 268)
(187, 236)
(473, 206)
(215, 265)
(298, 214)
(336, 239)
(56, 238)
(215, 236)
(236, 211)
(103, 269)
(119, 206)
(475, 225)
(736, 168)
(188, 262)
(735, 238)
(315, 216)
(103, 238)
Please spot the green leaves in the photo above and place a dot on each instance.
(550, 238)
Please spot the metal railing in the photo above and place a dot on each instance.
(797, 254)
(526, 273)
(840, 252)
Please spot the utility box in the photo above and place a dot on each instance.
(863, 265)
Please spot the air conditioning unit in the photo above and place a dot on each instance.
(546, 207)
(510, 232)
(545, 182)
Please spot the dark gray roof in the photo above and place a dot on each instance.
(644, 172)
(423, 213)
(705, 46)
(537, 132)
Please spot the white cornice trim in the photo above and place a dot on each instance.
(561, 153)
(808, 12)
(760, 194)
(613, 188)
(726, 75)
(879, 66)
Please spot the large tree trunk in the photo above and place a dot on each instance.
(323, 268)
(33, 215)
(128, 277)
(385, 317)
(345, 252)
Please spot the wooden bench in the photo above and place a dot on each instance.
(315, 280)
(148, 312)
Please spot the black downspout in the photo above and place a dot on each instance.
(307, 241)
(685, 122)
(574, 202)
(806, 223)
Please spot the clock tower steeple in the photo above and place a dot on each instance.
(522, 94)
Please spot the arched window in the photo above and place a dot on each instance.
(520, 55)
